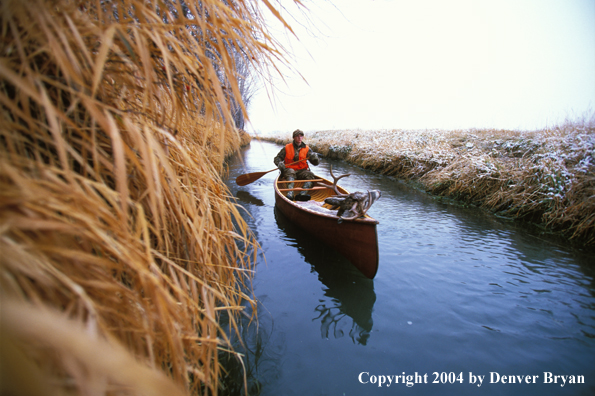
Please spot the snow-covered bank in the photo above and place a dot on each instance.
(545, 176)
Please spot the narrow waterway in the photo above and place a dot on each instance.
(460, 297)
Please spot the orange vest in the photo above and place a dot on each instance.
(290, 154)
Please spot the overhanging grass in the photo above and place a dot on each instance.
(116, 231)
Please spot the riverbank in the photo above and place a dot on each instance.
(545, 177)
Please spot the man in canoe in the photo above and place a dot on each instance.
(293, 152)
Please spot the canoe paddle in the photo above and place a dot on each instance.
(248, 178)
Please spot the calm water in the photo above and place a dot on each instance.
(458, 293)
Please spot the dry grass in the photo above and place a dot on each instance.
(545, 176)
(119, 245)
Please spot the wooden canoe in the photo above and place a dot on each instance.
(357, 239)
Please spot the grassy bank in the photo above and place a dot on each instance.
(119, 246)
(545, 176)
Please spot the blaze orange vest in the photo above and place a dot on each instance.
(290, 154)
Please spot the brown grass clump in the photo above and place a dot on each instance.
(119, 247)
(545, 176)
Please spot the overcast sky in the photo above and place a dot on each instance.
(424, 64)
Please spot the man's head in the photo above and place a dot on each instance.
(298, 136)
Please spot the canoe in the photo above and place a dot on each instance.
(356, 240)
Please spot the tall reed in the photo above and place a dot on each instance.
(120, 249)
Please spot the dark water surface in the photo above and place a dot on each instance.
(459, 294)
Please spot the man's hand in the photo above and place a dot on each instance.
(281, 166)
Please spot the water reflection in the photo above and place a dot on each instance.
(457, 290)
(348, 294)
(246, 197)
(260, 354)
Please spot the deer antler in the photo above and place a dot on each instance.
(358, 202)
(362, 208)
(368, 204)
(336, 179)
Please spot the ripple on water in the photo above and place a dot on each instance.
(456, 289)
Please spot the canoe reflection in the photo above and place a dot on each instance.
(347, 292)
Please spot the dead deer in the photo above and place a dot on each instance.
(351, 206)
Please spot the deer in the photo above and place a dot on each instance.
(351, 206)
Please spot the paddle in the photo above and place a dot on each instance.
(248, 178)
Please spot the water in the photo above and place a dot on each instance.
(459, 294)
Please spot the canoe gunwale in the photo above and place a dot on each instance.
(355, 239)
(365, 219)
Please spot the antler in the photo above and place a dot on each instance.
(336, 179)
(367, 204)
(362, 208)
(361, 205)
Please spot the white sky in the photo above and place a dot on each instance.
(421, 64)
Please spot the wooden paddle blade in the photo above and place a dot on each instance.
(248, 178)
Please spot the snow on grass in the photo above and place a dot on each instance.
(546, 176)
